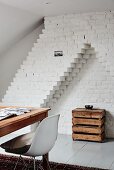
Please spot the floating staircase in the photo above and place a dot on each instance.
(30, 87)
(43, 78)
(69, 75)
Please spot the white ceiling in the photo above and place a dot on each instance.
(19, 17)
(58, 7)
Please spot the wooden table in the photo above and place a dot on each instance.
(15, 123)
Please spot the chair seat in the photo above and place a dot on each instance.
(37, 143)
(19, 145)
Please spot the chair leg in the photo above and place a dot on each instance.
(20, 157)
(40, 167)
(25, 165)
(27, 168)
(48, 166)
(17, 162)
(34, 163)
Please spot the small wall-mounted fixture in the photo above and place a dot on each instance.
(58, 53)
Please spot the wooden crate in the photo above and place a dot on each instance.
(88, 124)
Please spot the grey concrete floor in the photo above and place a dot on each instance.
(84, 153)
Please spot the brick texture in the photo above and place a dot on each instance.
(61, 82)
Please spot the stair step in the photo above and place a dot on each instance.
(87, 45)
(86, 56)
(80, 55)
(79, 65)
(66, 74)
(66, 83)
(69, 79)
(69, 70)
(51, 93)
(83, 51)
(90, 51)
(74, 74)
(76, 70)
(63, 87)
(55, 88)
(83, 61)
(62, 78)
(73, 65)
(54, 100)
(56, 95)
(61, 91)
(76, 60)
(58, 83)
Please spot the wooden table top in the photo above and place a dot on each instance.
(15, 123)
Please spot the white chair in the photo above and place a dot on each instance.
(37, 143)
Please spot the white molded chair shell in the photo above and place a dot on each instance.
(38, 143)
(45, 137)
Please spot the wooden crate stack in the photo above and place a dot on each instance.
(88, 124)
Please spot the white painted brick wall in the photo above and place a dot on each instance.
(41, 71)
(95, 83)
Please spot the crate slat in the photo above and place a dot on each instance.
(88, 129)
(98, 138)
(83, 121)
(88, 113)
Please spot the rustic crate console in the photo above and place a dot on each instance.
(88, 124)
